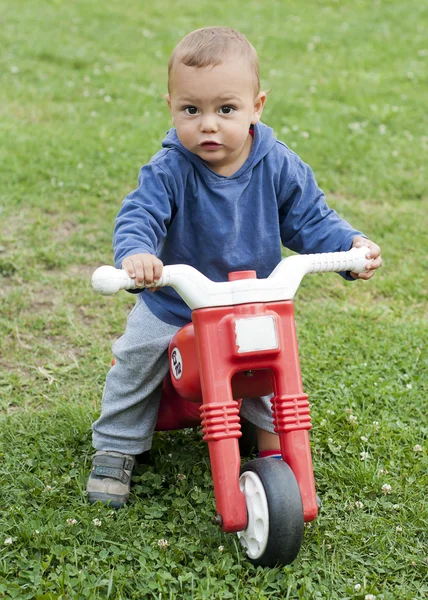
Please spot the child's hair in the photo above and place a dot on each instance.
(210, 46)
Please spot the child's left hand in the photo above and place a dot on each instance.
(373, 254)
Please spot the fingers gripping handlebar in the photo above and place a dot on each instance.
(200, 292)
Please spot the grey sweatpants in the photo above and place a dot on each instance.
(133, 386)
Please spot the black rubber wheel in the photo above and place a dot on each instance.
(248, 445)
(274, 532)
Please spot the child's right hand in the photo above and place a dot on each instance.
(144, 268)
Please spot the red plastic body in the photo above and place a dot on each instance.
(208, 365)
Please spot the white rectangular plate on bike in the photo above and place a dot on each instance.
(256, 333)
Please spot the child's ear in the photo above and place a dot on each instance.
(168, 100)
(259, 104)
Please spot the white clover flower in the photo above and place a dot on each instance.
(359, 504)
(363, 438)
(71, 521)
(353, 419)
(357, 587)
(369, 597)
(383, 472)
(48, 488)
(97, 522)
(107, 98)
(417, 448)
(36, 532)
(163, 544)
(364, 455)
(382, 129)
(396, 506)
(8, 541)
(330, 412)
(147, 33)
(386, 488)
(323, 422)
(220, 548)
(409, 386)
(181, 477)
(398, 529)
(14, 69)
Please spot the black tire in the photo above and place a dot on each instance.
(285, 512)
(248, 445)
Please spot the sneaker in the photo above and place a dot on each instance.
(110, 478)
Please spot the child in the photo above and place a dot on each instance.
(221, 195)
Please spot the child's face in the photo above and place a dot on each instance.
(212, 109)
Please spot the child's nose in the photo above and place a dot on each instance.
(208, 123)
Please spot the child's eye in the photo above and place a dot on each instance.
(226, 110)
(191, 110)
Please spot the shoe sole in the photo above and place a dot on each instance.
(115, 501)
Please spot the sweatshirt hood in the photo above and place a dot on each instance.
(263, 142)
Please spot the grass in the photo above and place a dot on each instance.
(81, 109)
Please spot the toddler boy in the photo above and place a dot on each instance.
(221, 195)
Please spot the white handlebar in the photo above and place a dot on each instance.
(200, 292)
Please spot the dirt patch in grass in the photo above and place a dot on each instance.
(64, 229)
(83, 271)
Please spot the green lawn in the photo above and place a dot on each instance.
(81, 109)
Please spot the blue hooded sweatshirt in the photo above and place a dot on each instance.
(185, 213)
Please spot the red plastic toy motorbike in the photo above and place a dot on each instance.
(242, 343)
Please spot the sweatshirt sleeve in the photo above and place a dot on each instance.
(142, 222)
(307, 224)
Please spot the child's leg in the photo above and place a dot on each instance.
(133, 385)
(267, 441)
(259, 412)
(130, 405)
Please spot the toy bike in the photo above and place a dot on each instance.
(242, 343)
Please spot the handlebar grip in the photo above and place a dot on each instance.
(353, 260)
(107, 280)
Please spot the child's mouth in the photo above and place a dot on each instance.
(210, 145)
